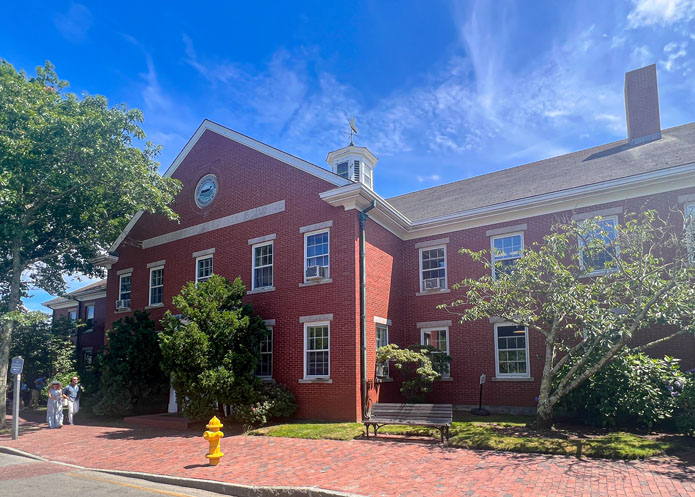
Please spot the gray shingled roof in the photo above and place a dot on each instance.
(593, 165)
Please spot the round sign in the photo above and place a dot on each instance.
(206, 190)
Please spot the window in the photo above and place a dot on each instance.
(89, 318)
(342, 170)
(124, 291)
(72, 315)
(367, 176)
(505, 251)
(203, 268)
(262, 265)
(265, 363)
(87, 354)
(382, 339)
(439, 339)
(511, 350)
(432, 269)
(690, 230)
(156, 285)
(595, 260)
(317, 254)
(316, 350)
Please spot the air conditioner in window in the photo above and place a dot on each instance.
(431, 284)
(123, 304)
(316, 272)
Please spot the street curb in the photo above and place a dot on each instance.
(224, 488)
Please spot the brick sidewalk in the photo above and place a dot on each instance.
(375, 468)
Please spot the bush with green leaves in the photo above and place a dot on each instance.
(274, 401)
(212, 347)
(130, 366)
(684, 416)
(420, 366)
(633, 390)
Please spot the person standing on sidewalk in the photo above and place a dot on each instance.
(54, 406)
(72, 392)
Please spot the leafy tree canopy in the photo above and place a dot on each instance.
(588, 313)
(71, 176)
(212, 348)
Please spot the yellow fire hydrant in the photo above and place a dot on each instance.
(213, 436)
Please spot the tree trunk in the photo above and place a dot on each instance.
(544, 413)
(7, 326)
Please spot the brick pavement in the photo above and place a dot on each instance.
(375, 468)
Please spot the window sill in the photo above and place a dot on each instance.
(601, 272)
(316, 282)
(432, 292)
(513, 378)
(315, 380)
(261, 290)
(384, 380)
(445, 378)
(122, 311)
(266, 379)
(88, 331)
(154, 306)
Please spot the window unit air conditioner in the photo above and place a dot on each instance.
(316, 272)
(123, 304)
(431, 284)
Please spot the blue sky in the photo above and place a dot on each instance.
(441, 90)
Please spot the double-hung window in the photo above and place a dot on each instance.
(439, 339)
(72, 315)
(601, 249)
(433, 268)
(511, 351)
(367, 172)
(124, 286)
(262, 265)
(382, 340)
(342, 170)
(87, 355)
(690, 231)
(203, 269)
(265, 363)
(89, 318)
(317, 350)
(505, 251)
(156, 285)
(317, 255)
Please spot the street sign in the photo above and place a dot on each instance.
(17, 365)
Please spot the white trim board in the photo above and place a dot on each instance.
(215, 224)
(247, 141)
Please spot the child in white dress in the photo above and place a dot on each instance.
(54, 407)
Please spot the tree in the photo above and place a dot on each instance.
(590, 293)
(212, 348)
(71, 177)
(130, 366)
(420, 366)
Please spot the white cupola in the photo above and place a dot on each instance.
(354, 163)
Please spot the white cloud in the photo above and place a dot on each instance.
(432, 177)
(75, 23)
(661, 12)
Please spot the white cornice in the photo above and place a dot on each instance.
(263, 148)
(351, 151)
(357, 196)
(73, 299)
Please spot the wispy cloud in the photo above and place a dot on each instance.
(75, 23)
(431, 177)
(661, 12)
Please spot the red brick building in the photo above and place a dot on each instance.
(292, 231)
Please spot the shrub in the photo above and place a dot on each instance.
(631, 390)
(420, 366)
(684, 416)
(274, 401)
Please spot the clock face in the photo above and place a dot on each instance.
(206, 190)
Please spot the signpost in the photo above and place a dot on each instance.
(16, 369)
(479, 411)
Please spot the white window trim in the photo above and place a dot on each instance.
(690, 232)
(497, 356)
(446, 269)
(253, 266)
(272, 353)
(306, 335)
(580, 244)
(90, 330)
(200, 258)
(120, 281)
(388, 367)
(492, 248)
(438, 328)
(149, 297)
(306, 237)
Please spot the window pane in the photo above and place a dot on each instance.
(511, 350)
(317, 249)
(596, 258)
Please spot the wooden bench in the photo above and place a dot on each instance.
(437, 416)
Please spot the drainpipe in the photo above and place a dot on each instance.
(363, 306)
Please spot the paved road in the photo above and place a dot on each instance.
(20, 476)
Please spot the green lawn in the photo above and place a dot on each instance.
(509, 433)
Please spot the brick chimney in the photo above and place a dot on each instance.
(642, 105)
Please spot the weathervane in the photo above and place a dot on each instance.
(353, 129)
